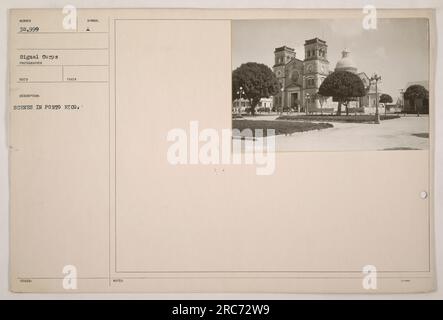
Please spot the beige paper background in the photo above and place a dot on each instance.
(313, 230)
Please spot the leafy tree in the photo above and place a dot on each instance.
(343, 86)
(415, 92)
(385, 98)
(257, 80)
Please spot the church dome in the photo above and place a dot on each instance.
(346, 63)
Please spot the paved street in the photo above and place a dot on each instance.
(390, 134)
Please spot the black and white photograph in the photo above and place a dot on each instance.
(332, 85)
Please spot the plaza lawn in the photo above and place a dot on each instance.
(359, 118)
(280, 126)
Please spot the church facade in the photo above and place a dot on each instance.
(301, 79)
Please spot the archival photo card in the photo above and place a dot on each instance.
(124, 175)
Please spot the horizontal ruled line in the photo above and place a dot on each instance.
(225, 277)
(62, 65)
(62, 48)
(62, 82)
(61, 32)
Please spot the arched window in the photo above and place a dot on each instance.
(295, 76)
(310, 82)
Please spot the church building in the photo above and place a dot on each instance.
(301, 79)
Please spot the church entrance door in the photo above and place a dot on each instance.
(295, 103)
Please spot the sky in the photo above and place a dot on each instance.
(398, 50)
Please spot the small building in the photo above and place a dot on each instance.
(393, 107)
(242, 105)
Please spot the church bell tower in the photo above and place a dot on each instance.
(315, 70)
(283, 55)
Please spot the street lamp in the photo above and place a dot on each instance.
(307, 96)
(240, 92)
(402, 101)
(282, 99)
(376, 78)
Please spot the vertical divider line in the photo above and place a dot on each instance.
(109, 152)
(115, 145)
